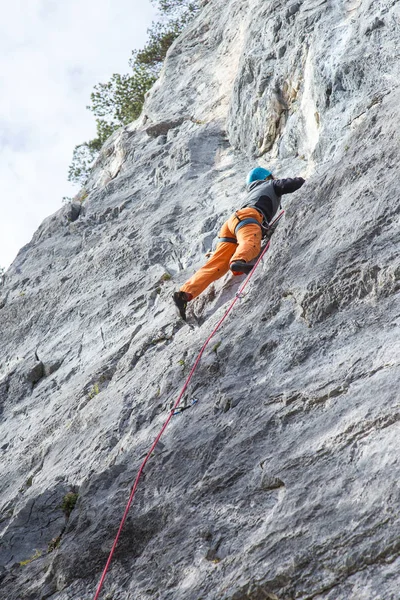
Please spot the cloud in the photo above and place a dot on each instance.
(51, 56)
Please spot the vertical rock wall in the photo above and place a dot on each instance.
(281, 482)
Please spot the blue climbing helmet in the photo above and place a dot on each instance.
(257, 174)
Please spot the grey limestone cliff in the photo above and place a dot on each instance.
(282, 481)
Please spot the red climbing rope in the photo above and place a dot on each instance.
(175, 406)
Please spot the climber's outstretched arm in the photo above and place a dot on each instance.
(287, 186)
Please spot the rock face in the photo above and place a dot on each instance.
(282, 481)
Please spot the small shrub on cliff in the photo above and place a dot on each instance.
(68, 503)
(53, 544)
(216, 346)
(38, 554)
(94, 391)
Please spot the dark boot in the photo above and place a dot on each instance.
(238, 267)
(181, 299)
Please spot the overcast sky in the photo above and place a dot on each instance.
(52, 53)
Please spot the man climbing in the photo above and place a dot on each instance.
(239, 240)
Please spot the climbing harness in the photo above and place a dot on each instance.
(267, 230)
(246, 221)
(174, 408)
(227, 239)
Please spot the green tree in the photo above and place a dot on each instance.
(83, 159)
(120, 100)
(161, 36)
(115, 104)
(177, 8)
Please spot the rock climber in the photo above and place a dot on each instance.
(239, 240)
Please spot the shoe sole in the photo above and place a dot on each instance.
(242, 270)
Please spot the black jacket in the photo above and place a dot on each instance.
(265, 196)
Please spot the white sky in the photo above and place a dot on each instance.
(52, 53)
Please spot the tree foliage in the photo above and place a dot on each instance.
(120, 100)
(161, 36)
(83, 158)
(177, 8)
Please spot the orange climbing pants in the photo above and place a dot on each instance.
(248, 247)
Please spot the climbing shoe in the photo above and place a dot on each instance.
(238, 267)
(181, 299)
